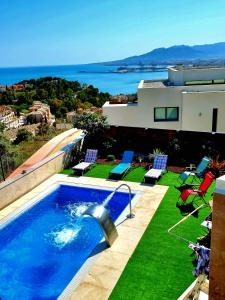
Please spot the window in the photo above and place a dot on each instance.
(166, 114)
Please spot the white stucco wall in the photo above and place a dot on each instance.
(198, 110)
(195, 104)
(142, 114)
(179, 77)
(175, 76)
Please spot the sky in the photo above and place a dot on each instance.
(60, 32)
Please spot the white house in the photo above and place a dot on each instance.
(191, 99)
(8, 117)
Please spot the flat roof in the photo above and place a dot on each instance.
(153, 84)
(183, 67)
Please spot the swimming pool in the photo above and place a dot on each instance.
(43, 246)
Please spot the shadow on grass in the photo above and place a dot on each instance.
(186, 209)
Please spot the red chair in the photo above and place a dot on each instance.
(201, 191)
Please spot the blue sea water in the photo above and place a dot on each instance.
(42, 249)
(100, 76)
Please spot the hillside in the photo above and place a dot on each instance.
(61, 95)
(176, 54)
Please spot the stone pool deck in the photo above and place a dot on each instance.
(103, 275)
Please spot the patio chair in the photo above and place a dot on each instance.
(124, 165)
(159, 166)
(201, 191)
(183, 177)
(89, 161)
(198, 173)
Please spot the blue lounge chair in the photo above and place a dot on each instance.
(159, 166)
(124, 165)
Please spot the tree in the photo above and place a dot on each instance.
(95, 124)
(5, 145)
(5, 149)
(23, 135)
(43, 128)
(2, 127)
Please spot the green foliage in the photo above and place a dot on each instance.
(43, 128)
(23, 135)
(60, 94)
(157, 151)
(110, 157)
(5, 145)
(2, 127)
(8, 157)
(95, 124)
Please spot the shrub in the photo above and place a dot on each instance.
(111, 157)
(43, 128)
(23, 135)
(157, 151)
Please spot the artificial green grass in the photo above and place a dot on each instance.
(136, 174)
(161, 266)
(67, 172)
(100, 171)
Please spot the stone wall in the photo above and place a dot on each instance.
(12, 189)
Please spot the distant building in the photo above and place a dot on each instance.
(191, 99)
(16, 87)
(70, 116)
(22, 120)
(40, 112)
(2, 88)
(8, 117)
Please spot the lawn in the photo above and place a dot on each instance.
(161, 266)
(102, 171)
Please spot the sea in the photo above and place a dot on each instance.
(105, 78)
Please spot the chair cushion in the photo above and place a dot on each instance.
(82, 166)
(184, 195)
(91, 155)
(154, 173)
(120, 168)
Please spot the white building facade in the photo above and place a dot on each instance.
(8, 118)
(192, 99)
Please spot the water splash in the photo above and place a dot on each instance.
(63, 235)
(75, 210)
(108, 198)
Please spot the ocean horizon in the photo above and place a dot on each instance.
(103, 77)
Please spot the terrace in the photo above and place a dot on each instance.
(144, 275)
(133, 265)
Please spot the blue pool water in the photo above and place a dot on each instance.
(43, 248)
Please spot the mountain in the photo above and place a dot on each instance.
(175, 54)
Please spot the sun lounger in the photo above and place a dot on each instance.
(89, 160)
(159, 166)
(124, 165)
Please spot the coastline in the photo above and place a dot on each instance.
(105, 78)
